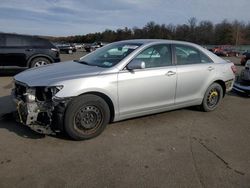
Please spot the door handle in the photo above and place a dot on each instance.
(210, 68)
(170, 73)
(29, 50)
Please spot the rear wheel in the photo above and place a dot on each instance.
(212, 97)
(86, 117)
(39, 61)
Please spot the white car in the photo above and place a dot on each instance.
(119, 81)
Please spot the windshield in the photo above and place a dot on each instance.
(109, 55)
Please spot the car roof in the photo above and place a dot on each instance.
(22, 35)
(148, 41)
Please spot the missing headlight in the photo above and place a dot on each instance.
(46, 93)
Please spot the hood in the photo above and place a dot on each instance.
(57, 72)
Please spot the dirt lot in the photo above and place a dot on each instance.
(182, 148)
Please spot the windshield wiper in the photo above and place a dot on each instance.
(83, 62)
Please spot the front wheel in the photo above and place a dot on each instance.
(86, 117)
(212, 97)
(39, 61)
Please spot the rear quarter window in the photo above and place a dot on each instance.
(39, 42)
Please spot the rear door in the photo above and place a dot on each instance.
(195, 71)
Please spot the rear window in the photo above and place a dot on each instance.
(22, 41)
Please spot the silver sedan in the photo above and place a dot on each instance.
(121, 80)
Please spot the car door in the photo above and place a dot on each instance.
(146, 90)
(16, 51)
(195, 71)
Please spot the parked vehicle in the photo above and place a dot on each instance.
(242, 84)
(23, 51)
(93, 46)
(226, 50)
(121, 80)
(73, 47)
(78, 46)
(245, 58)
(66, 48)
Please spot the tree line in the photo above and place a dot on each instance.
(203, 32)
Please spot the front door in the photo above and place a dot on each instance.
(151, 88)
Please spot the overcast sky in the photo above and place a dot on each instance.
(71, 17)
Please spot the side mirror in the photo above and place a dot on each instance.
(136, 64)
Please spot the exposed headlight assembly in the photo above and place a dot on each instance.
(30, 95)
(46, 93)
(54, 89)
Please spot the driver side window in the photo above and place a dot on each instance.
(156, 56)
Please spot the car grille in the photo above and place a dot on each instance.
(20, 90)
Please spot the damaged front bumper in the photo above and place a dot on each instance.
(38, 109)
(28, 114)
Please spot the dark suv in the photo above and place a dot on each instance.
(22, 51)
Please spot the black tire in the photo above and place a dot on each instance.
(39, 61)
(86, 117)
(212, 97)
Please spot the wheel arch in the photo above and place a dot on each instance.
(107, 99)
(38, 56)
(222, 84)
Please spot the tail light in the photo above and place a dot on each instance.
(234, 69)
